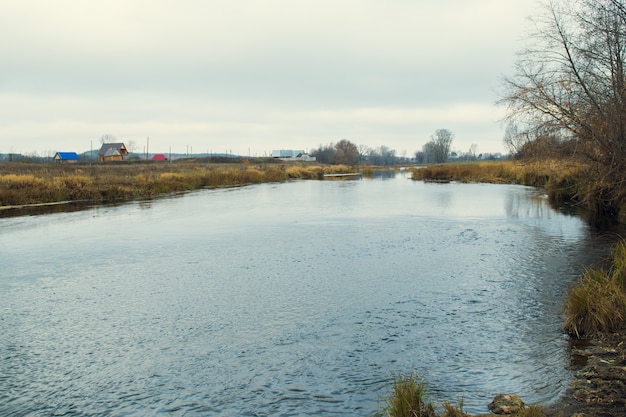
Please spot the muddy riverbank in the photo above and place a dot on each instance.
(599, 387)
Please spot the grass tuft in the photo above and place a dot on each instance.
(450, 410)
(597, 304)
(531, 411)
(408, 399)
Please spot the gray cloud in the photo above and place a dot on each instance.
(245, 72)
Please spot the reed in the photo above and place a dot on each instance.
(302, 172)
(450, 410)
(29, 183)
(597, 304)
(531, 173)
(339, 169)
(408, 399)
(367, 171)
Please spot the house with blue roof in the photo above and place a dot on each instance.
(65, 157)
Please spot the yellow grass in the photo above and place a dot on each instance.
(27, 183)
(16, 180)
(597, 304)
(513, 172)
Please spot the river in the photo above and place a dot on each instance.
(302, 298)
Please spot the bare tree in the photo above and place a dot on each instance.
(324, 154)
(131, 146)
(513, 139)
(107, 138)
(570, 83)
(363, 151)
(437, 150)
(472, 151)
(346, 152)
(382, 155)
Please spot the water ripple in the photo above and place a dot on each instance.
(232, 310)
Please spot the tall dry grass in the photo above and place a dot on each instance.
(408, 399)
(30, 183)
(597, 304)
(563, 179)
(533, 173)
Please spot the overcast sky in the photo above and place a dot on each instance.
(250, 76)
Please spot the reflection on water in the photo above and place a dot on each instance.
(303, 298)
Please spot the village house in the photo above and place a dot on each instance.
(112, 152)
(65, 157)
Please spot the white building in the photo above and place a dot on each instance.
(289, 155)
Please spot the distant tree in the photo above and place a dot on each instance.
(382, 155)
(437, 150)
(346, 152)
(107, 138)
(131, 146)
(471, 155)
(420, 157)
(428, 152)
(363, 152)
(513, 139)
(325, 154)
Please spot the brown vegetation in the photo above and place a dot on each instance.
(597, 305)
(568, 93)
(409, 400)
(561, 178)
(31, 183)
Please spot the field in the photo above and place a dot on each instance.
(46, 183)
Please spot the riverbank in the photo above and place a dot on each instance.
(29, 184)
(599, 388)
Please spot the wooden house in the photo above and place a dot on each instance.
(112, 152)
(65, 157)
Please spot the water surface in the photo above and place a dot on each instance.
(303, 298)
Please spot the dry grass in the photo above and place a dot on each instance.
(408, 399)
(450, 410)
(30, 183)
(531, 411)
(533, 173)
(597, 304)
(564, 180)
(308, 172)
